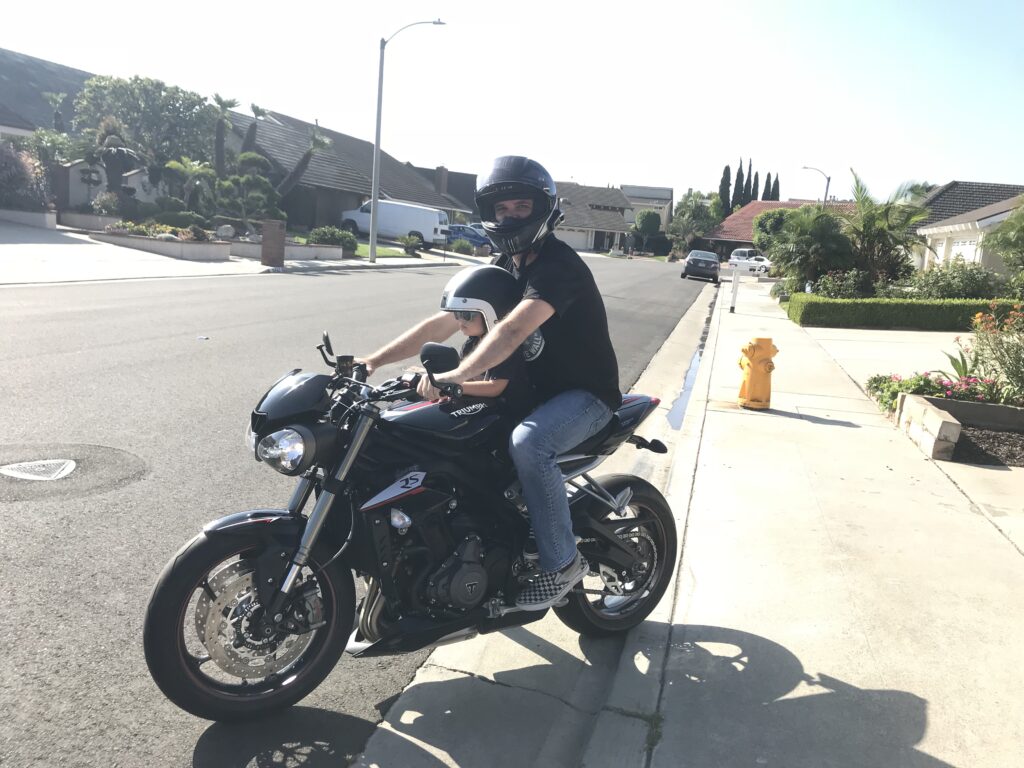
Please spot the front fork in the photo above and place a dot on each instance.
(318, 516)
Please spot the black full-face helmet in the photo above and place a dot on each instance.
(489, 290)
(518, 178)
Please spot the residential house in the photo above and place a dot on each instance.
(23, 82)
(963, 236)
(456, 187)
(658, 199)
(953, 201)
(353, 169)
(594, 216)
(737, 229)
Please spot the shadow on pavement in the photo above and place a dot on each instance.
(730, 698)
(813, 419)
(298, 737)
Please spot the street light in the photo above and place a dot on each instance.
(824, 201)
(375, 192)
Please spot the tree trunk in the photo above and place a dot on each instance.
(289, 182)
(249, 143)
(218, 149)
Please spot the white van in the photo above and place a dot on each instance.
(396, 220)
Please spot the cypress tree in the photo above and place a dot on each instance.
(737, 188)
(746, 184)
(767, 195)
(723, 189)
(755, 187)
(775, 188)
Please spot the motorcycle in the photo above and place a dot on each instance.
(417, 499)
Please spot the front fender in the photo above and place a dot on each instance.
(276, 534)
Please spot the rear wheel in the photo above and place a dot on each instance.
(606, 603)
(350, 226)
(201, 640)
(421, 244)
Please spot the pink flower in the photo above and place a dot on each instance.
(949, 392)
(896, 377)
(981, 397)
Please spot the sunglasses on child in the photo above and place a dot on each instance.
(465, 317)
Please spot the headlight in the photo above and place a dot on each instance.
(289, 451)
(250, 437)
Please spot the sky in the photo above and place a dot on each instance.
(648, 93)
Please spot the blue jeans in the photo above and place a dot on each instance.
(557, 426)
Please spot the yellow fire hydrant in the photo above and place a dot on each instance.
(756, 363)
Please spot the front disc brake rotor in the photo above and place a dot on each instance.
(225, 622)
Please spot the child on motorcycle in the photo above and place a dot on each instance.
(479, 297)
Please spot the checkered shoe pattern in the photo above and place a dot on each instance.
(549, 587)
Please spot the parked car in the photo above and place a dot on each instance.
(396, 220)
(749, 259)
(466, 232)
(701, 264)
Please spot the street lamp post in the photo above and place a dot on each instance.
(824, 201)
(375, 191)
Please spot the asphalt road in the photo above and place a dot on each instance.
(149, 384)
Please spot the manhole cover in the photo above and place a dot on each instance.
(82, 470)
(45, 469)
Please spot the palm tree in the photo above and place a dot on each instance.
(883, 233)
(223, 106)
(55, 100)
(114, 153)
(316, 142)
(810, 242)
(249, 143)
(192, 179)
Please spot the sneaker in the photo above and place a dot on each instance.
(550, 587)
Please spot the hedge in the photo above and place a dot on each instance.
(916, 314)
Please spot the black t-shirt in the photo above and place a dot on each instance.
(572, 349)
(518, 397)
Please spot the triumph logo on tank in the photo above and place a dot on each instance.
(533, 346)
(469, 410)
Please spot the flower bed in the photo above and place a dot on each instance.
(189, 250)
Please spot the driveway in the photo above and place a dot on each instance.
(35, 255)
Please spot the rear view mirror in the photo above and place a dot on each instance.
(327, 344)
(437, 358)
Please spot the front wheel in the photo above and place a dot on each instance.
(199, 636)
(605, 603)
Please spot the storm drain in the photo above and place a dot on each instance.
(44, 469)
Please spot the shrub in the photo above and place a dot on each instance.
(999, 345)
(180, 219)
(1014, 287)
(852, 284)
(194, 233)
(21, 181)
(105, 204)
(148, 211)
(957, 279)
(659, 244)
(333, 236)
(920, 314)
(170, 204)
(887, 388)
(462, 246)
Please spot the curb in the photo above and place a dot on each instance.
(628, 726)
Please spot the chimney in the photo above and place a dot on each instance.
(441, 180)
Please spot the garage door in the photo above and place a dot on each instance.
(577, 238)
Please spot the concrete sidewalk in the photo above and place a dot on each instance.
(30, 255)
(841, 602)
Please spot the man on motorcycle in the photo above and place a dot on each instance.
(561, 329)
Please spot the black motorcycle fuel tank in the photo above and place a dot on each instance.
(456, 420)
(297, 396)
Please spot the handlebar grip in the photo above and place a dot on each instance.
(359, 372)
(453, 391)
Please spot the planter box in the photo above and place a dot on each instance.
(181, 249)
(87, 221)
(932, 429)
(1000, 418)
(293, 251)
(42, 219)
